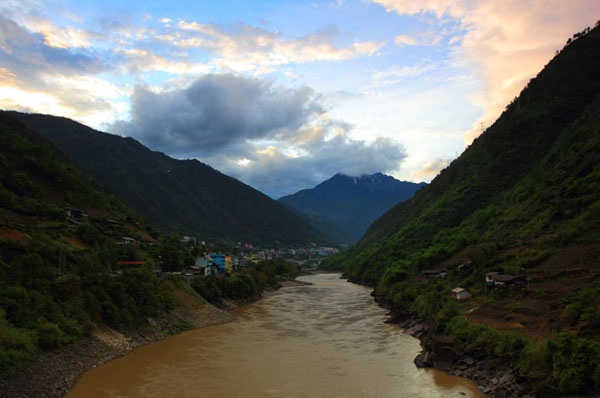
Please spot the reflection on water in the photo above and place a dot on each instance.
(323, 340)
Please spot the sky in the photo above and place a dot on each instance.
(284, 94)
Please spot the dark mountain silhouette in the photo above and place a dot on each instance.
(343, 207)
(183, 196)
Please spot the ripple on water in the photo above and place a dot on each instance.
(323, 340)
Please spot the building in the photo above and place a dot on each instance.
(229, 264)
(489, 277)
(461, 294)
(434, 274)
(125, 240)
(206, 264)
(466, 268)
(131, 264)
(508, 280)
(219, 260)
(192, 273)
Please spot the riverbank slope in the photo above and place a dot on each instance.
(53, 374)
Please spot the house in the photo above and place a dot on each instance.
(187, 276)
(131, 264)
(466, 268)
(206, 265)
(116, 274)
(244, 263)
(461, 294)
(186, 240)
(229, 260)
(489, 278)
(192, 273)
(508, 280)
(125, 240)
(75, 214)
(219, 260)
(434, 274)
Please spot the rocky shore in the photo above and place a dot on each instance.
(440, 352)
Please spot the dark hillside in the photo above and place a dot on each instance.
(522, 200)
(350, 203)
(510, 149)
(54, 267)
(174, 195)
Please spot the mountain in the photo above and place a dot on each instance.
(523, 199)
(350, 204)
(183, 196)
(55, 264)
(65, 270)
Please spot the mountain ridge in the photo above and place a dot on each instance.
(351, 202)
(184, 196)
(522, 200)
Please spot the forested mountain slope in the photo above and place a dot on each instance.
(184, 196)
(55, 265)
(524, 200)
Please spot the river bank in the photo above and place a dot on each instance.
(324, 340)
(439, 351)
(52, 374)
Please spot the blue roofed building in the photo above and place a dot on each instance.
(219, 260)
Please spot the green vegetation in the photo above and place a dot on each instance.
(266, 274)
(55, 280)
(176, 196)
(56, 271)
(521, 195)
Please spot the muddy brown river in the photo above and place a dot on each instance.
(328, 339)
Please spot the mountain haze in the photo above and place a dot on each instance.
(350, 204)
(183, 196)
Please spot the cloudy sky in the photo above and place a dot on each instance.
(284, 94)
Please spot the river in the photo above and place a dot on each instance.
(328, 339)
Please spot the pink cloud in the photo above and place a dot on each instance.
(506, 42)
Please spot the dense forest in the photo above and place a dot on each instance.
(522, 200)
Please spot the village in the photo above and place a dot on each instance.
(493, 280)
(208, 258)
(227, 262)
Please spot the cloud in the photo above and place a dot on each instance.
(139, 60)
(506, 42)
(456, 8)
(276, 173)
(37, 76)
(276, 139)
(427, 38)
(396, 74)
(406, 40)
(246, 48)
(215, 112)
(431, 169)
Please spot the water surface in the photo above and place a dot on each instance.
(328, 339)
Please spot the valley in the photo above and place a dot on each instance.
(430, 237)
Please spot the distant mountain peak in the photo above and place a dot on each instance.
(353, 202)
